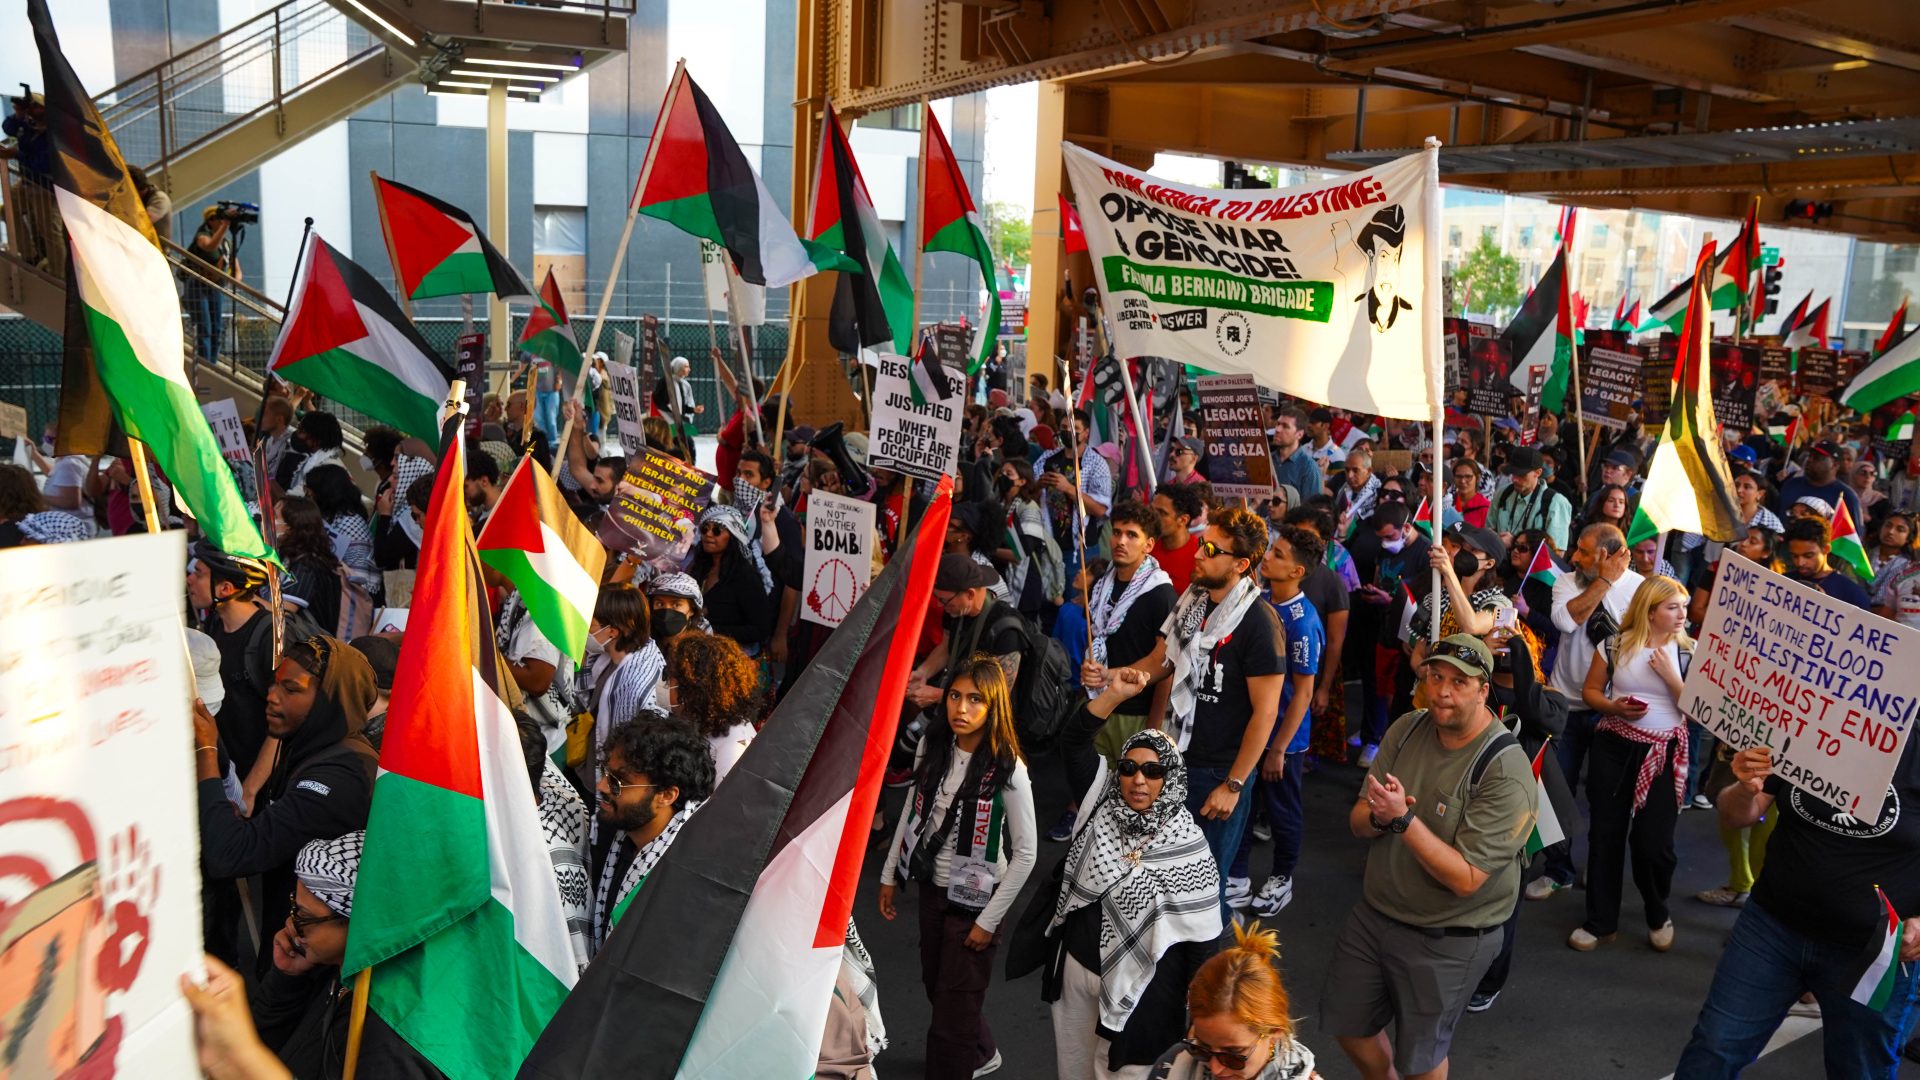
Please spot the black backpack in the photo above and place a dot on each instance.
(1043, 695)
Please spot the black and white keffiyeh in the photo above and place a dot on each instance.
(328, 869)
(857, 964)
(1152, 875)
(735, 522)
(606, 898)
(563, 822)
(1107, 613)
(1192, 632)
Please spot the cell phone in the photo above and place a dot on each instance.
(1634, 701)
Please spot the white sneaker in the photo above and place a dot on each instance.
(1353, 742)
(1543, 887)
(992, 1066)
(1367, 754)
(1239, 892)
(1261, 831)
(1276, 894)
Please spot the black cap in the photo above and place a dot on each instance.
(959, 572)
(1523, 459)
(1624, 457)
(1485, 541)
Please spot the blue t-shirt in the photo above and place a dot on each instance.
(1306, 639)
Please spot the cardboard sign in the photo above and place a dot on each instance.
(223, 417)
(389, 620)
(98, 820)
(839, 557)
(1239, 465)
(398, 587)
(13, 421)
(1657, 380)
(1821, 682)
(1776, 365)
(1734, 372)
(1819, 372)
(624, 383)
(920, 440)
(1454, 341)
(1489, 368)
(1611, 380)
(470, 363)
(651, 366)
(655, 508)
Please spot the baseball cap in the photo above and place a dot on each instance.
(801, 434)
(1744, 453)
(1624, 458)
(1485, 541)
(1465, 652)
(1522, 460)
(959, 572)
(1181, 442)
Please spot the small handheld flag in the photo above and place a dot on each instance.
(1875, 987)
(1546, 825)
(1845, 544)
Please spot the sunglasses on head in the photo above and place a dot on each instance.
(1232, 1059)
(1152, 770)
(1463, 654)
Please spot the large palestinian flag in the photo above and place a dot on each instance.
(548, 334)
(872, 302)
(726, 959)
(124, 292)
(949, 222)
(1893, 374)
(553, 559)
(347, 339)
(696, 179)
(437, 248)
(1734, 269)
(456, 908)
(1689, 485)
(1541, 336)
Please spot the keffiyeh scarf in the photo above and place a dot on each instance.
(1107, 613)
(606, 899)
(1192, 632)
(735, 523)
(1152, 875)
(328, 869)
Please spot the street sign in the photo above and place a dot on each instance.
(1769, 256)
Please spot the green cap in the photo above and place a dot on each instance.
(1464, 651)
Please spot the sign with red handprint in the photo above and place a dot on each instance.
(99, 851)
(839, 563)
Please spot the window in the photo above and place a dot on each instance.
(559, 230)
(898, 118)
(1453, 236)
(1526, 236)
(1900, 259)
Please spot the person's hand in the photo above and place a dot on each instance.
(383, 503)
(1752, 766)
(1663, 665)
(1629, 707)
(1054, 481)
(1910, 941)
(230, 1049)
(1613, 567)
(1125, 682)
(978, 939)
(289, 953)
(1322, 698)
(887, 911)
(205, 731)
(923, 695)
(1220, 803)
(778, 648)
(1438, 559)
(1389, 800)
(1273, 764)
(1093, 675)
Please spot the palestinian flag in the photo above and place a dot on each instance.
(929, 380)
(437, 248)
(1546, 567)
(1626, 318)
(696, 179)
(1546, 824)
(949, 222)
(1845, 545)
(1793, 317)
(1541, 336)
(1689, 487)
(1892, 375)
(549, 334)
(1811, 331)
(725, 962)
(872, 301)
(1901, 430)
(1788, 436)
(1641, 527)
(554, 560)
(346, 338)
(1896, 328)
(1670, 311)
(1406, 612)
(460, 921)
(124, 292)
(1875, 988)
(1072, 233)
(1734, 269)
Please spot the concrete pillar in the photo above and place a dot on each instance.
(499, 327)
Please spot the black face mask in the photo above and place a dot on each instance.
(1004, 486)
(1465, 564)
(667, 622)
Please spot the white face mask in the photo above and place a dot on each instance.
(1392, 547)
(366, 463)
(595, 647)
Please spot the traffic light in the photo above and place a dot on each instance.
(1235, 176)
(1770, 278)
(1808, 211)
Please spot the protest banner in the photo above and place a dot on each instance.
(1239, 465)
(470, 363)
(223, 417)
(1819, 372)
(1657, 380)
(1776, 366)
(624, 383)
(99, 829)
(13, 421)
(1819, 681)
(1735, 371)
(654, 510)
(839, 563)
(652, 364)
(922, 441)
(1320, 291)
(1489, 367)
(1611, 378)
(1454, 347)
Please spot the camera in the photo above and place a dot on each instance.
(240, 213)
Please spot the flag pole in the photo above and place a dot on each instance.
(913, 336)
(1434, 329)
(619, 258)
(138, 451)
(263, 486)
(1079, 499)
(357, 1021)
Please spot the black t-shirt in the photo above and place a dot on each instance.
(1822, 866)
(1326, 592)
(1223, 704)
(1137, 635)
(242, 718)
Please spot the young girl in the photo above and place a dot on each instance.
(1637, 768)
(1240, 1025)
(969, 839)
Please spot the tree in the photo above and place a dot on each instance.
(1492, 275)
(1010, 233)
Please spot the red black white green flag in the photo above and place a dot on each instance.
(1689, 485)
(437, 248)
(949, 222)
(872, 301)
(548, 334)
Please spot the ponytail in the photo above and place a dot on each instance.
(1244, 982)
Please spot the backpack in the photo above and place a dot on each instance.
(1489, 750)
(1043, 695)
(296, 626)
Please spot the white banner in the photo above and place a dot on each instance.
(1323, 291)
(750, 300)
(839, 556)
(628, 413)
(98, 820)
(922, 441)
(1826, 685)
(224, 417)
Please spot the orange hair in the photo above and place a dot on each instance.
(1244, 982)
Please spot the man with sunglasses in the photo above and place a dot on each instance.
(656, 773)
(1446, 810)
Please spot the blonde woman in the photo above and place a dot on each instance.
(1240, 1024)
(1637, 768)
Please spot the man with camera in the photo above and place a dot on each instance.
(217, 243)
(26, 125)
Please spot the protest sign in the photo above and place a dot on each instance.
(624, 383)
(1318, 290)
(470, 363)
(839, 556)
(744, 302)
(920, 440)
(1657, 380)
(1735, 371)
(1454, 347)
(223, 417)
(1776, 365)
(1489, 365)
(651, 362)
(13, 421)
(1239, 464)
(1611, 379)
(99, 829)
(1852, 362)
(654, 509)
(389, 620)
(1819, 681)
(1819, 372)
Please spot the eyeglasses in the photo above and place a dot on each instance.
(1392, 495)
(1208, 549)
(1152, 770)
(615, 785)
(713, 528)
(302, 922)
(1232, 1059)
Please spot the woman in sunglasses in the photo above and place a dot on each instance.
(1240, 1023)
(1135, 917)
(734, 580)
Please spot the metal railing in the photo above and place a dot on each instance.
(193, 97)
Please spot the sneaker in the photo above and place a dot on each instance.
(1062, 830)
(1480, 1002)
(1661, 939)
(1724, 896)
(897, 778)
(1262, 831)
(1805, 1007)
(1543, 887)
(1239, 892)
(1581, 941)
(1701, 802)
(1276, 894)
(1353, 742)
(992, 1066)
(1367, 754)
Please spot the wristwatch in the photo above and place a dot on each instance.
(1399, 824)
(1235, 785)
